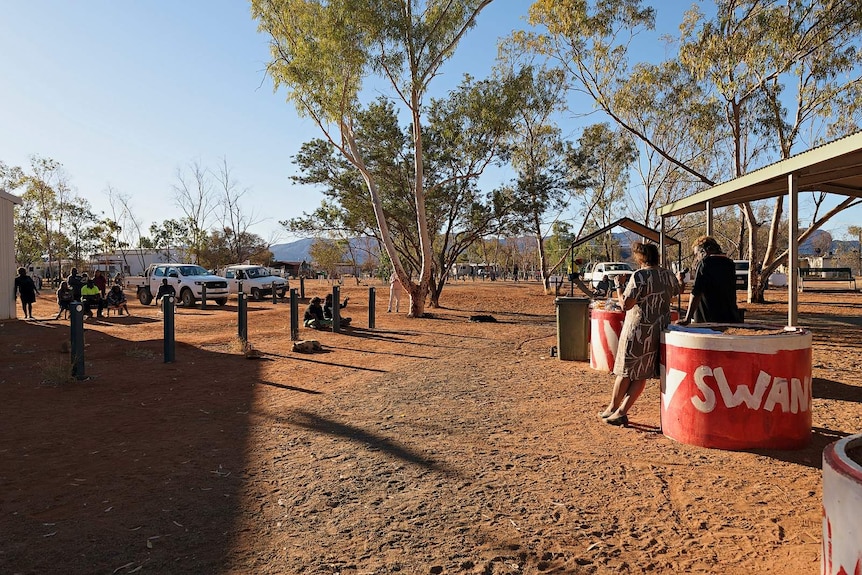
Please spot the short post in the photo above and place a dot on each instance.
(77, 340)
(302, 288)
(336, 308)
(372, 301)
(242, 321)
(294, 315)
(239, 286)
(274, 295)
(168, 314)
(204, 296)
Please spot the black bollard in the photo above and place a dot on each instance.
(336, 307)
(76, 309)
(204, 296)
(302, 288)
(294, 315)
(242, 321)
(168, 314)
(372, 304)
(274, 294)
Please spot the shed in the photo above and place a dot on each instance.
(834, 168)
(7, 254)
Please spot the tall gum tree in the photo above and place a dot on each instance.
(322, 52)
(774, 71)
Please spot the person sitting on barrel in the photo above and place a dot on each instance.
(713, 295)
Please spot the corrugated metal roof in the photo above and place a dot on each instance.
(10, 198)
(835, 167)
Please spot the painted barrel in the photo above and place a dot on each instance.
(842, 507)
(738, 386)
(605, 329)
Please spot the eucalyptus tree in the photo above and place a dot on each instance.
(463, 135)
(776, 72)
(323, 51)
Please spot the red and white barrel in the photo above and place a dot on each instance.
(736, 391)
(605, 329)
(842, 507)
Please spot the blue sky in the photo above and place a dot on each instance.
(126, 93)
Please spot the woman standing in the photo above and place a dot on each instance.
(646, 300)
(25, 287)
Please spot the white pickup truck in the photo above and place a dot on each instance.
(188, 281)
(594, 274)
(256, 280)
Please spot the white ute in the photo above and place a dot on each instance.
(256, 280)
(188, 280)
(600, 269)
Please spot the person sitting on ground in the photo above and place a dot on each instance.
(313, 317)
(327, 310)
(65, 297)
(165, 289)
(117, 300)
(91, 296)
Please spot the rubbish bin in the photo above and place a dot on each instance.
(573, 328)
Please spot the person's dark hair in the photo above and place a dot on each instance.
(707, 244)
(645, 253)
(22, 272)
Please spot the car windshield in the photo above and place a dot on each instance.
(259, 272)
(618, 267)
(187, 271)
(741, 266)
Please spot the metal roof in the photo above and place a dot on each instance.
(835, 167)
(10, 198)
(630, 225)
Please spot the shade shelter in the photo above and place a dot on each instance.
(833, 168)
(7, 253)
(645, 232)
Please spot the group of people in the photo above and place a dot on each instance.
(92, 292)
(646, 299)
(319, 316)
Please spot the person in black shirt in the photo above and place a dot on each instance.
(25, 287)
(314, 315)
(713, 295)
(165, 289)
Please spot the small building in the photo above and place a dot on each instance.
(7, 254)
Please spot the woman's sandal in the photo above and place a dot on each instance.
(606, 414)
(622, 420)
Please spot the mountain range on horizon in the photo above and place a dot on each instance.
(298, 251)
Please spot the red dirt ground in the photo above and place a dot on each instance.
(423, 446)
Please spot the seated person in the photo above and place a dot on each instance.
(164, 290)
(92, 296)
(327, 310)
(65, 296)
(603, 287)
(117, 299)
(314, 315)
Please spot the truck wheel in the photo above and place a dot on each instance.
(144, 296)
(187, 297)
(255, 294)
(221, 301)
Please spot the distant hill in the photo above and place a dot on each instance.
(292, 252)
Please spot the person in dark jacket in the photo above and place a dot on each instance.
(314, 315)
(76, 282)
(713, 295)
(25, 287)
